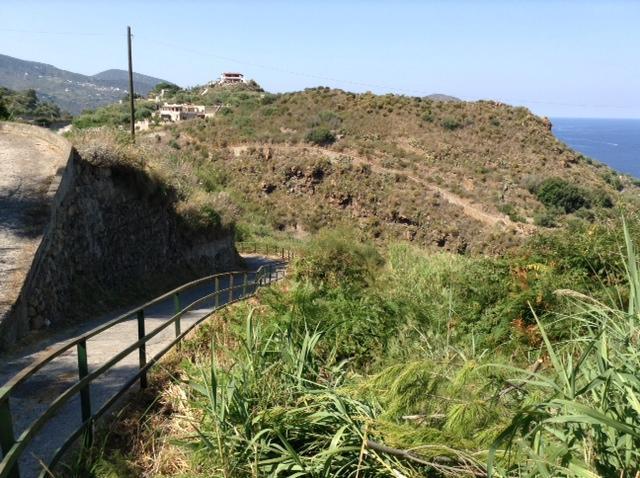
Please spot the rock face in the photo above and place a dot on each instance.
(112, 233)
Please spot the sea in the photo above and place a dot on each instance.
(615, 142)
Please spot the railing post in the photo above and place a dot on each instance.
(85, 392)
(230, 297)
(7, 439)
(255, 247)
(177, 308)
(216, 285)
(282, 255)
(269, 274)
(142, 350)
(244, 284)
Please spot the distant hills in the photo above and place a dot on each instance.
(72, 92)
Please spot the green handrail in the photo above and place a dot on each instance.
(12, 449)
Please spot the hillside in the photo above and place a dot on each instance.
(455, 175)
(72, 92)
(376, 357)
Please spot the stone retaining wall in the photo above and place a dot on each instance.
(113, 235)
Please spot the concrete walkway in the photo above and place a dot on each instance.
(34, 396)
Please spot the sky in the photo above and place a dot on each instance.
(577, 58)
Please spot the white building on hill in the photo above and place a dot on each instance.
(181, 112)
(231, 78)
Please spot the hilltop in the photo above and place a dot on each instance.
(462, 176)
(72, 92)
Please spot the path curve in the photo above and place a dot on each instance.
(30, 399)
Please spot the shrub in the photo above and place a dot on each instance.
(4, 113)
(335, 258)
(451, 124)
(613, 179)
(320, 136)
(602, 199)
(545, 218)
(558, 193)
(427, 117)
(510, 210)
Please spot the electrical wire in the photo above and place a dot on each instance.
(308, 75)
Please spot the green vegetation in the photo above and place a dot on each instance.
(416, 365)
(557, 193)
(26, 106)
(320, 158)
(320, 136)
(115, 115)
(394, 348)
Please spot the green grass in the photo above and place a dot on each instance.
(419, 365)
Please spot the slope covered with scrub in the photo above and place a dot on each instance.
(457, 175)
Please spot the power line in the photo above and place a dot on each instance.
(282, 70)
(74, 33)
(312, 76)
(367, 85)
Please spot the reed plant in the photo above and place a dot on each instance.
(588, 423)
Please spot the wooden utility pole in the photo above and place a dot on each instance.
(131, 100)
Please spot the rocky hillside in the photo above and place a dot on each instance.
(457, 175)
(73, 92)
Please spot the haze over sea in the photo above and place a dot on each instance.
(615, 142)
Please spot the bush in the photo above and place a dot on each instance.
(602, 199)
(588, 405)
(4, 113)
(613, 179)
(510, 210)
(545, 219)
(451, 124)
(320, 136)
(558, 193)
(337, 259)
(427, 117)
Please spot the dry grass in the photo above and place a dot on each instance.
(455, 175)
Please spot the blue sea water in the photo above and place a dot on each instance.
(615, 142)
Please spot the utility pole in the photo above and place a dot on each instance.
(131, 100)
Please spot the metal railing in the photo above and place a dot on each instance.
(13, 448)
(266, 249)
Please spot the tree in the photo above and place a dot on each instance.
(4, 112)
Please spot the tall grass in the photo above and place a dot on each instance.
(274, 411)
(588, 424)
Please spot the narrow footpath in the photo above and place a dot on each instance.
(35, 395)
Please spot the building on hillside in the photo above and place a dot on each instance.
(181, 112)
(231, 78)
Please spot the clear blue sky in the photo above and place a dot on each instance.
(573, 58)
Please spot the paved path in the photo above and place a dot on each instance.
(29, 163)
(32, 397)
